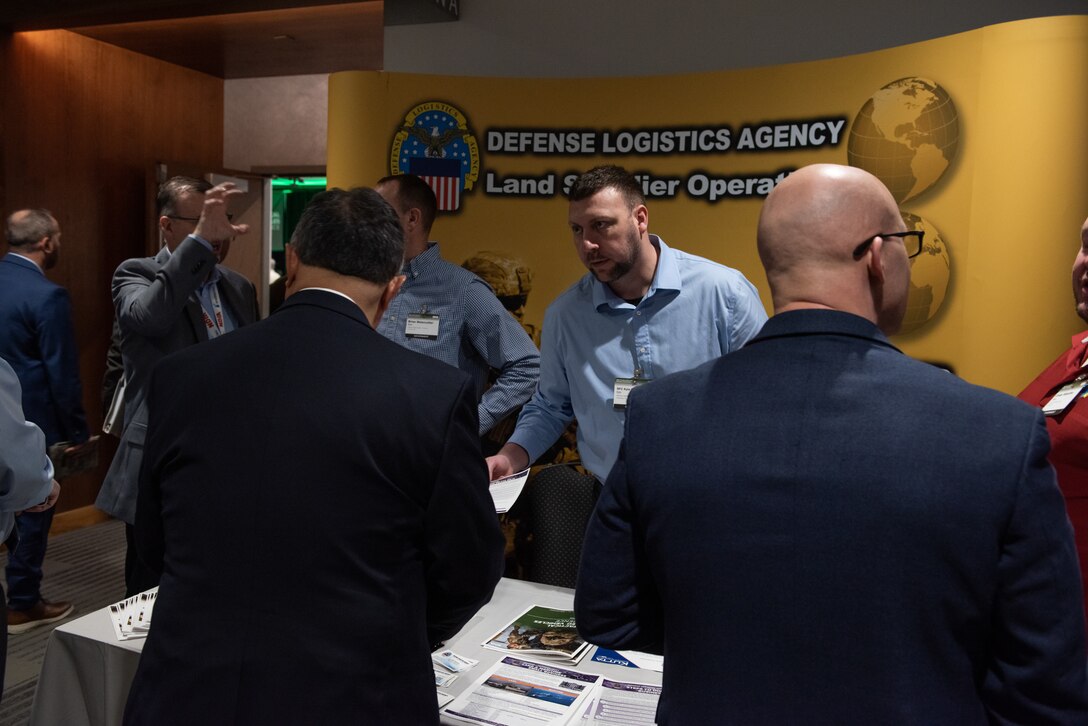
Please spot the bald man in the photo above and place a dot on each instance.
(819, 529)
(38, 339)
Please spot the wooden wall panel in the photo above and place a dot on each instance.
(82, 124)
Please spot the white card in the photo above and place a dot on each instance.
(422, 325)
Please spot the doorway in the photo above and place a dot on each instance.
(290, 195)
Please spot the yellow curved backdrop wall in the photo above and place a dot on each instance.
(1009, 206)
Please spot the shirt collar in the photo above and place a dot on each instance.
(666, 277)
(213, 278)
(334, 292)
(24, 257)
(422, 262)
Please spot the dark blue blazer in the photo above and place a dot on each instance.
(38, 340)
(817, 529)
(315, 498)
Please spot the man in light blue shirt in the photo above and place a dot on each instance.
(26, 474)
(445, 312)
(644, 310)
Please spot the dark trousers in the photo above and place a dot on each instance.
(24, 571)
(138, 576)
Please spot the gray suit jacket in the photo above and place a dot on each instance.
(158, 313)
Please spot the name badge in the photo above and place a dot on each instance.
(1065, 396)
(622, 389)
(422, 325)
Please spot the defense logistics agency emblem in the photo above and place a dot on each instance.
(435, 144)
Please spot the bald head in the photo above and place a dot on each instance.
(810, 226)
(35, 234)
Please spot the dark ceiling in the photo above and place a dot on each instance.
(233, 38)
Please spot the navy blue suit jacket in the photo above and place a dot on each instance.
(38, 340)
(319, 509)
(819, 529)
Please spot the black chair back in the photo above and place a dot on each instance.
(561, 498)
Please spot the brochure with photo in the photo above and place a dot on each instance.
(518, 692)
(542, 632)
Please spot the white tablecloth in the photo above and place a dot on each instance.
(87, 672)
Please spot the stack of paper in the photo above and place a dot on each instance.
(541, 632)
(519, 692)
(132, 616)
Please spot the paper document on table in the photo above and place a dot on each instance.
(131, 617)
(518, 692)
(505, 491)
(649, 661)
(624, 704)
(541, 632)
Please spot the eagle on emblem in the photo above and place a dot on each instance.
(435, 140)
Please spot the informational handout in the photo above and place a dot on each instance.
(506, 490)
(541, 632)
(518, 692)
(624, 704)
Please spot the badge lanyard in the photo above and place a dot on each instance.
(622, 388)
(215, 327)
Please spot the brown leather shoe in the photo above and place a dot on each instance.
(43, 613)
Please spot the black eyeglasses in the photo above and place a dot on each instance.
(194, 220)
(912, 240)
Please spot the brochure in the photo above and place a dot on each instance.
(506, 490)
(518, 692)
(624, 704)
(543, 632)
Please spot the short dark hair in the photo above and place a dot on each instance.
(414, 193)
(352, 232)
(166, 201)
(31, 227)
(607, 176)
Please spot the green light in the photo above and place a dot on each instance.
(299, 182)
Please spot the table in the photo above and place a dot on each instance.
(87, 672)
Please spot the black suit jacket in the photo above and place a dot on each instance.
(817, 529)
(316, 500)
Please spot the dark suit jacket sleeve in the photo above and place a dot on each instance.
(148, 530)
(115, 368)
(1037, 674)
(149, 301)
(617, 604)
(57, 343)
(464, 545)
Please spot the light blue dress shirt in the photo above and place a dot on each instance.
(695, 310)
(26, 474)
(475, 332)
(204, 293)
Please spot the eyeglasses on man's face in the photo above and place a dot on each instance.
(912, 241)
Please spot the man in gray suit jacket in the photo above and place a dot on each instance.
(818, 529)
(180, 297)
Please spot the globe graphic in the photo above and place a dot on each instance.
(929, 273)
(906, 135)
